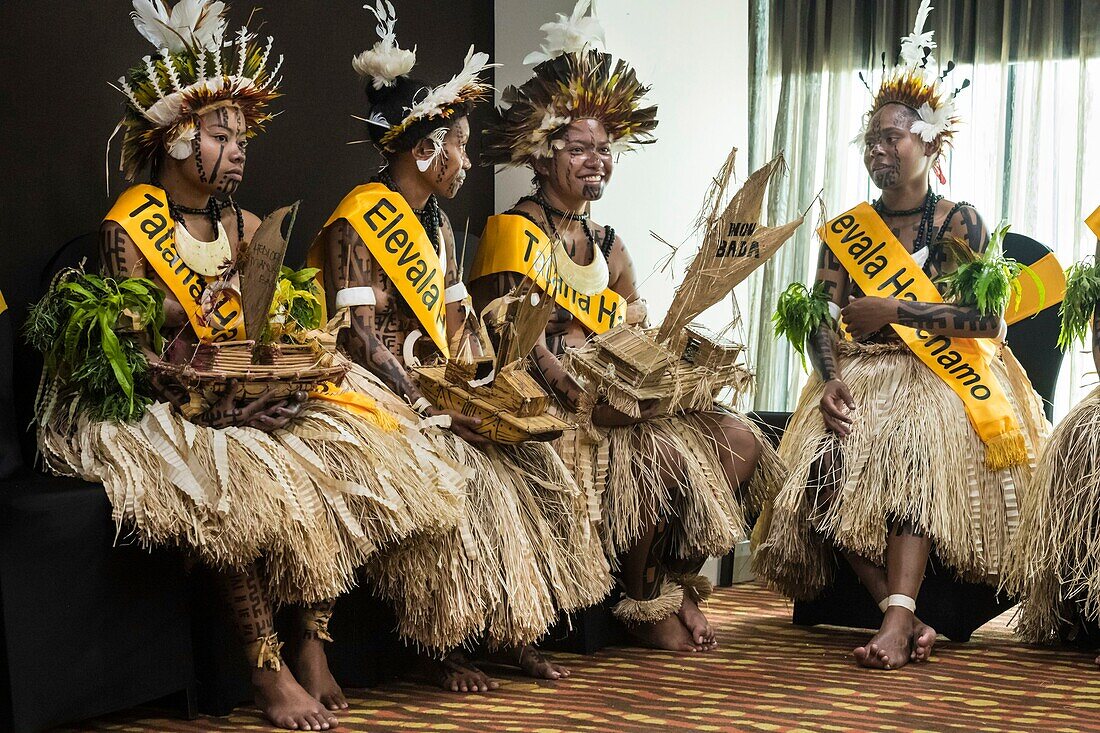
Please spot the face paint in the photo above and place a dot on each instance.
(448, 170)
(218, 150)
(891, 153)
(581, 166)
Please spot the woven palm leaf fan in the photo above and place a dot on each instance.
(301, 358)
(682, 365)
(498, 388)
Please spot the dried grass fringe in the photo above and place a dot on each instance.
(524, 549)
(632, 611)
(616, 467)
(913, 455)
(1055, 565)
(314, 502)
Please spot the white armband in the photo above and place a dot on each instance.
(1002, 332)
(351, 297)
(834, 311)
(455, 293)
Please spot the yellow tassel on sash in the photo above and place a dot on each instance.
(399, 243)
(511, 243)
(881, 266)
(356, 403)
(142, 211)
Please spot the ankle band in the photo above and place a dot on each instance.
(632, 611)
(900, 599)
(696, 587)
(266, 651)
(316, 623)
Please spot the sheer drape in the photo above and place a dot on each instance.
(1023, 153)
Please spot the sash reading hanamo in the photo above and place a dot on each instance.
(882, 267)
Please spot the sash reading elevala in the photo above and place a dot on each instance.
(882, 267)
(142, 211)
(511, 243)
(398, 242)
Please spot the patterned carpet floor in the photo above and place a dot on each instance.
(767, 675)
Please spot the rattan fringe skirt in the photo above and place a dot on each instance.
(525, 549)
(913, 456)
(1056, 560)
(313, 502)
(707, 516)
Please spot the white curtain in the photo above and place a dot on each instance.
(1027, 151)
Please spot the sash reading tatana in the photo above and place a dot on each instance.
(882, 267)
(399, 243)
(143, 212)
(511, 243)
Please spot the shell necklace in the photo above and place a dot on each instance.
(206, 258)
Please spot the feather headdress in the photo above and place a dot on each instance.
(916, 82)
(194, 70)
(576, 81)
(385, 64)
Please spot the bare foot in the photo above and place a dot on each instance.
(286, 703)
(316, 678)
(456, 673)
(924, 638)
(669, 634)
(534, 664)
(891, 647)
(702, 634)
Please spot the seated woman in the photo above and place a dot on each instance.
(671, 489)
(525, 549)
(917, 431)
(1055, 567)
(283, 497)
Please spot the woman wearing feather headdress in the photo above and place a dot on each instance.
(282, 496)
(1055, 563)
(918, 430)
(525, 550)
(652, 474)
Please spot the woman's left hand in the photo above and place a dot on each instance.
(867, 315)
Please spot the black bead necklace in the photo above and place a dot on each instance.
(927, 210)
(549, 211)
(430, 216)
(213, 211)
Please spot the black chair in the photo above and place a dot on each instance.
(954, 608)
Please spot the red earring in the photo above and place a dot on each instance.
(938, 170)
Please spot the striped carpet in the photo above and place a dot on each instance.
(766, 676)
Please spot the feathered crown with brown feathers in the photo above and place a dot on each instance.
(385, 62)
(574, 80)
(915, 82)
(193, 71)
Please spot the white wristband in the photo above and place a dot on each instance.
(455, 293)
(422, 405)
(350, 297)
(834, 310)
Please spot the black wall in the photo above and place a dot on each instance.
(57, 111)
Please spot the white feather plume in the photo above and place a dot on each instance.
(570, 35)
(196, 23)
(913, 45)
(933, 122)
(447, 93)
(385, 61)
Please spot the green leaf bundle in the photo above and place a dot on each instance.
(1082, 298)
(798, 314)
(295, 307)
(988, 281)
(88, 329)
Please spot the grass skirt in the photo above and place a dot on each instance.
(912, 456)
(313, 502)
(525, 549)
(707, 516)
(1056, 563)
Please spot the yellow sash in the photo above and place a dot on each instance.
(3, 303)
(1094, 222)
(143, 212)
(397, 240)
(881, 266)
(1049, 270)
(511, 243)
